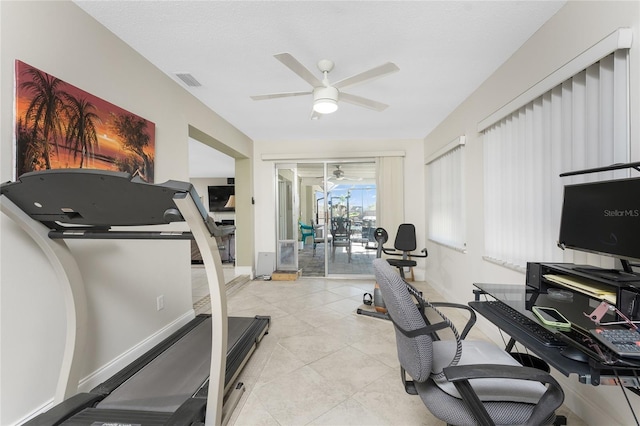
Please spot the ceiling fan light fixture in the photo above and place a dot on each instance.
(325, 100)
(325, 106)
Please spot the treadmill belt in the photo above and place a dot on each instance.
(170, 379)
(179, 372)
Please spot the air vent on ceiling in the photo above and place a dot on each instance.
(188, 79)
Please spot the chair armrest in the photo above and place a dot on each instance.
(498, 371)
(546, 406)
(470, 321)
(427, 330)
(409, 385)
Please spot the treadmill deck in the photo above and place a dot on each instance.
(160, 387)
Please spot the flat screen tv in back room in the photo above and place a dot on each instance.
(603, 218)
(218, 197)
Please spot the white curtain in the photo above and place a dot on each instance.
(390, 194)
(579, 124)
(446, 195)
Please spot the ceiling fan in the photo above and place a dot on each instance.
(325, 94)
(338, 174)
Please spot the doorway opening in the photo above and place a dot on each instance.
(336, 217)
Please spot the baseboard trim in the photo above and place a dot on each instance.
(103, 373)
(117, 364)
(43, 408)
(245, 270)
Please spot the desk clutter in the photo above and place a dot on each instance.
(583, 285)
(625, 343)
(601, 346)
(580, 319)
(616, 298)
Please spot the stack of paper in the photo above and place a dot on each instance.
(585, 286)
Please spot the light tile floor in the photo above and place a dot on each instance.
(321, 363)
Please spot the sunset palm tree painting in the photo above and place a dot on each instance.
(61, 126)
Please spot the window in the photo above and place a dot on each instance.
(445, 203)
(582, 122)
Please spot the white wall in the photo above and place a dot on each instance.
(573, 29)
(264, 183)
(123, 278)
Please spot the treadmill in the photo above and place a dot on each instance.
(183, 380)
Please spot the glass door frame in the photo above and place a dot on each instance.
(297, 176)
(330, 166)
(308, 172)
(287, 206)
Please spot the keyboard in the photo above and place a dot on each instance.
(625, 343)
(529, 326)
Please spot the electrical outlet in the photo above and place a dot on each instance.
(160, 302)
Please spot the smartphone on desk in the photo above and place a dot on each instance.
(551, 317)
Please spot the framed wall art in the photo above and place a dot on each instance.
(58, 125)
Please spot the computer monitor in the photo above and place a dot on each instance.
(604, 218)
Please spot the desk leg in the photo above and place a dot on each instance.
(510, 345)
(477, 293)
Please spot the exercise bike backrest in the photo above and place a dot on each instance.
(405, 243)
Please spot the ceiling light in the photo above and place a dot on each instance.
(325, 100)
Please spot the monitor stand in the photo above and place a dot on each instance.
(610, 274)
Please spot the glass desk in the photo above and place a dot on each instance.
(577, 355)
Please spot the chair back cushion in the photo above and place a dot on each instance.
(406, 237)
(415, 354)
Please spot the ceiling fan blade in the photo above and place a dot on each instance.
(279, 95)
(363, 102)
(295, 66)
(372, 74)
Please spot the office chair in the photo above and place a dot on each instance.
(318, 237)
(405, 243)
(340, 236)
(462, 382)
(222, 232)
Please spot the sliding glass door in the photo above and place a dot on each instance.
(337, 201)
(351, 208)
(313, 244)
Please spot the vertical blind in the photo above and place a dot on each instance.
(581, 123)
(445, 204)
(390, 193)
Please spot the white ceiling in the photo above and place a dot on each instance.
(444, 49)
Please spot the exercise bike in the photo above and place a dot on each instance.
(381, 237)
